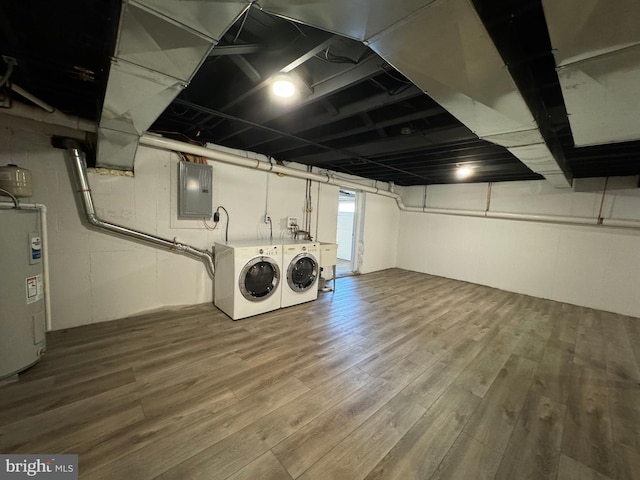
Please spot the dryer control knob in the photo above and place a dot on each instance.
(304, 249)
(261, 251)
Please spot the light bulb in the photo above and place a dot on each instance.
(464, 172)
(284, 88)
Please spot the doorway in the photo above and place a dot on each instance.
(345, 235)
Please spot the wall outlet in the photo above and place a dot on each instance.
(292, 222)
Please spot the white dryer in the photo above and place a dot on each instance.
(301, 265)
(247, 278)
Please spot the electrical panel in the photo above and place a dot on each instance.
(195, 192)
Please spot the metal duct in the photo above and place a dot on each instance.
(160, 46)
(357, 19)
(79, 169)
(444, 49)
(596, 45)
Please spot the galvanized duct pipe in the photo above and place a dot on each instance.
(79, 168)
(246, 162)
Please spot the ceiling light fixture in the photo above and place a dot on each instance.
(283, 87)
(464, 172)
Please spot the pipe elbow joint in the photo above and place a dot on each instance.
(94, 220)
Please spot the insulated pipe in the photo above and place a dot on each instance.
(13, 198)
(32, 98)
(45, 255)
(238, 160)
(79, 168)
(22, 110)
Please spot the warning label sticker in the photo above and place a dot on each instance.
(35, 290)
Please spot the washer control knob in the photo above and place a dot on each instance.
(304, 249)
(261, 251)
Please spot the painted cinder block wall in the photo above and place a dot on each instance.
(97, 277)
(592, 266)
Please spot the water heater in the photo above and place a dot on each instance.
(22, 309)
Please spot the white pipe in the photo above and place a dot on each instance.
(45, 254)
(22, 110)
(240, 161)
(45, 266)
(32, 98)
(77, 123)
(613, 222)
(443, 211)
(532, 217)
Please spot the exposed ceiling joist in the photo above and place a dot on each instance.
(236, 50)
(293, 137)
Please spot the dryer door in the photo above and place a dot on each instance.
(302, 272)
(259, 279)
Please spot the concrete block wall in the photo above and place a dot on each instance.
(592, 266)
(97, 277)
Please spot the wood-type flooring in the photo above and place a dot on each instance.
(396, 375)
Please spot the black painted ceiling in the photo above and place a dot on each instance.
(358, 114)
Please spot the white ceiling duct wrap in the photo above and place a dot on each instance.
(135, 97)
(539, 158)
(212, 18)
(160, 46)
(357, 19)
(445, 50)
(596, 45)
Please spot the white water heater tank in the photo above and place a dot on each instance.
(16, 180)
(22, 307)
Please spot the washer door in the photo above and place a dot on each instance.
(259, 279)
(302, 272)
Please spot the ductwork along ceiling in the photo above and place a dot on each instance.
(392, 91)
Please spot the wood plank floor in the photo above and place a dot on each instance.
(396, 375)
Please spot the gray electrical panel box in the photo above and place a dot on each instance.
(195, 195)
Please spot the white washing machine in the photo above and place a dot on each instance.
(248, 278)
(301, 269)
